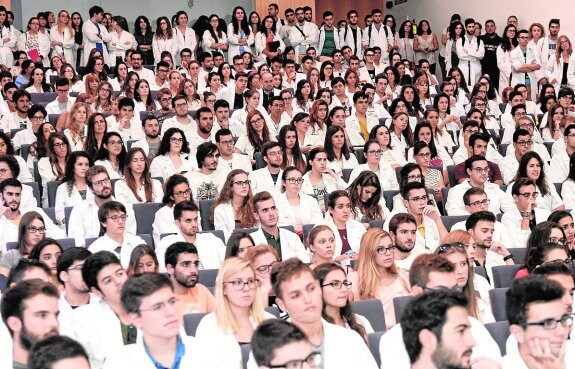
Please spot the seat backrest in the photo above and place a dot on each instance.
(130, 143)
(205, 212)
(503, 275)
(260, 163)
(207, 277)
(444, 193)
(500, 332)
(518, 254)
(306, 230)
(346, 173)
(373, 343)
(3, 282)
(451, 175)
(148, 239)
(90, 240)
(372, 310)
(52, 188)
(245, 230)
(273, 310)
(498, 296)
(503, 149)
(359, 155)
(67, 212)
(51, 212)
(35, 191)
(218, 233)
(53, 119)
(399, 304)
(24, 151)
(378, 223)
(388, 197)
(145, 214)
(450, 220)
(191, 322)
(246, 350)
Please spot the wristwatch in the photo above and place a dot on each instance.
(525, 214)
(510, 256)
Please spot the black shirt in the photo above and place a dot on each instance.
(238, 101)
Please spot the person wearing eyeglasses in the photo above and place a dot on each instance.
(281, 344)
(509, 117)
(525, 215)
(238, 312)
(84, 219)
(386, 175)
(337, 301)
(525, 64)
(477, 143)
(262, 258)
(296, 207)
(211, 249)
(433, 177)
(477, 167)
(433, 273)
(117, 238)
(540, 323)
(526, 122)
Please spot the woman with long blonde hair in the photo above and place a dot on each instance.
(62, 38)
(376, 276)
(233, 207)
(239, 309)
(556, 67)
(458, 247)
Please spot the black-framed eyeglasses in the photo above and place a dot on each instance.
(40, 230)
(385, 250)
(265, 268)
(482, 202)
(456, 288)
(294, 180)
(527, 195)
(239, 284)
(446, 246)
(183, 193)
(548, 324)
(116, 218)
(313, 360)
(242, 183)
(338, 284)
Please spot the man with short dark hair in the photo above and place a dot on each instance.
(137, 59)
(522, 144)
(470, 51)
(182, 120)
(210, 248)
(228, 157)
(540, 323)
(476, 143)
(207, 181)
(491, 40)
(19, 118)
(269, 178)
(58, 352)
(352, 35)
(433, 273)
(37, 115)
(84, 219)
(183, 266)
(30, 312)
(286, 243)
(360, 122)
(298, 292)
(117, 239)
(402, 230)
(525, 215)
(63, 101)
(328, 37)
(525, 63)
(104, 326)
(234, 94)
(95, 35)
(378, 34)
(13, 166)
(550, 42)
(203, 133)
(559, 166)
(125, 123)
(151, 142)
(303, 34)
(477, 167)
(161, 79)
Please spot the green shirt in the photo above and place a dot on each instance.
(274, 242)
(329, 44)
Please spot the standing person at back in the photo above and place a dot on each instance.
(378, 34)
(95, 34)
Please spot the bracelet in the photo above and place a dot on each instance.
(508, 257)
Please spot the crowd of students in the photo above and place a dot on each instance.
(303, 167)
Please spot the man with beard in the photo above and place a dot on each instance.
(433, 274)
(269, 178)
(76, 293)
(550, 42)
(470, 51)
(402, 229)
(30, 312)
(352, 34)
(19, 118)
(143, 73)
(151, 143)
(84, 221)
(161, 80)
(488, 252)
(182, 120)
(210, 248)
(541, 324)
(207, 181)
(286, 243)
(491, 41)
(104, 326)
(125, 123)
(430, 228)
(303, 34)
(229, 158)
(183, 265)
(204, 125)
(10, 216)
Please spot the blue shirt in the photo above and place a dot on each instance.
(180, 352)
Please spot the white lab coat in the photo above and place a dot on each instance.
(355, 231)
(429, 243)
(554, 71)
(43, 45)
(346, 38)
(184, 40)
(119, 44)
(129, 243)
(260, 42)
(291, 245)
(90, 31)
(517, 60)
(504, 65)
(66, 316)
(164, 44)
(63, 200)
(330, 184)
(499, 201)
(67, 49)
(211, 249)
(6, 56)
(208, 40)
(547, 202)
(321, 39)
(571, 71)
(386, 176)
(470, 53)
(125, 195)
(233, 46)
(512, 221)
(300, 42)
(262, 181)
(382, 38)
(309, 210)
(339, 165)
(162, 166)
(239, 161)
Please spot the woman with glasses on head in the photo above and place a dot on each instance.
(292, 155)
(47, 252)
(112, 155)
(137, 185)
(122, 40)
(173, 155)
(320, 180)
(233, 209)
(376, 275)
(163, 39)
(53, 167)
(262, 258)
(337, 300)
(35, 43)
(74, 187)
(532, 167)
(384, 172)
(238, 309)
(31, 230)
(366, 198)
(433, 177)
(239, 244)
(298, 208)
(456, 247)
(339, 156)
(142, 260)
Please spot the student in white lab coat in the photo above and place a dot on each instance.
(240, 35)
(138, 186)
(524, 63)
(95, 35)
(164, 39)
(62, 38)
(122, 40)
(99, 326)
(320, 179)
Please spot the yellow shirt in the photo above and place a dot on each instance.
(363, 128)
